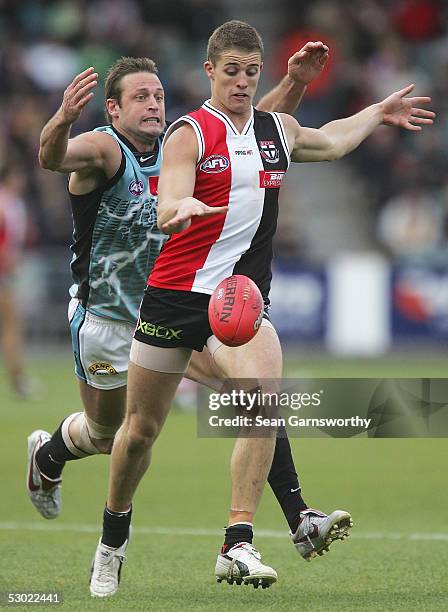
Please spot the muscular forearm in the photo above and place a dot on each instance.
(284, 98)
(348, 133)
(166, 210)
(53, 142)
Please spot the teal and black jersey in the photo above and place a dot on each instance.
(115, 236)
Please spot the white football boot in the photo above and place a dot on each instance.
(317, 531)
(45, 493)
(242, 564)
(105, 572)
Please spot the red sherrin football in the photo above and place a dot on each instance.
(235, 310)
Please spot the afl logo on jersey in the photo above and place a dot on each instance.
(136, 188)
(214, 164)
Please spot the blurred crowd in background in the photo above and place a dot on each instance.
(390, 195)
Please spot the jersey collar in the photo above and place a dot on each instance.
(144, 158)
(225, 119)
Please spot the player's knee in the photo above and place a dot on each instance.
(142, 434)
(104, 446)
(84, 437)
(101, 436)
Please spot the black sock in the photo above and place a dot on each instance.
(284, 481)
(51, 457)
(115, 527)
(240, 532)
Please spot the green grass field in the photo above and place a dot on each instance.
(396, 490)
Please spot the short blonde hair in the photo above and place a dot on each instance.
(233, 35)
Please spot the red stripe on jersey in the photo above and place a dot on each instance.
(185, 253)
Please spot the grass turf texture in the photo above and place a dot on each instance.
(396, 490)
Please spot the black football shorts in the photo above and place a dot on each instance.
(172, 319)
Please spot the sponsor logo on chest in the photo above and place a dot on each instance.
(214, 164)
(269, 151)
(271, 179)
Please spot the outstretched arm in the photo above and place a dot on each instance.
(336, 139)
(303, 67)
(57, 151)
(177, 205)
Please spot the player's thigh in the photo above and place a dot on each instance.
(101, 350)
(261, 357)
(150, 394)
(171, 325)
(203, 369)
(106, 407)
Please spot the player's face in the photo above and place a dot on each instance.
(234, 79)
(140, 115)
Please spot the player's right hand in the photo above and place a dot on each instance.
(78, 94)
(190, 207)
(307, 63)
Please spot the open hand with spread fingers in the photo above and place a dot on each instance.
(190, 207)
(399, 111)
(307, 63)
(78, 94)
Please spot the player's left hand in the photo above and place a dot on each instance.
(305, 65)
(190, 207)
(399, 111)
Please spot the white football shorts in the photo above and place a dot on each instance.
(100, 347)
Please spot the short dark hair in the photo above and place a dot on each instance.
(119, 69)
(233, 35)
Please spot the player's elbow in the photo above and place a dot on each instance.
(43, 162)
(47, 164)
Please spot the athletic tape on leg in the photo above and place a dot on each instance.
(159, 359)
(100, 432)
(82, 447)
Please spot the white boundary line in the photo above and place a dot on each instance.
(177, 531)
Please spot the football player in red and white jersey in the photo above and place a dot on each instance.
(216, 194)
(76, 437)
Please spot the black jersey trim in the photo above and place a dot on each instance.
(199, 135)
(196, 128)
(107, 185)
(218, 113)
(282, 134)
(124, 140)
(249, 126)
(154, 153)
(214, 111)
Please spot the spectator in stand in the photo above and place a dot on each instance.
(12, 237)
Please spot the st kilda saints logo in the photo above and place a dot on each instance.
(214, 164)
(269, 151)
